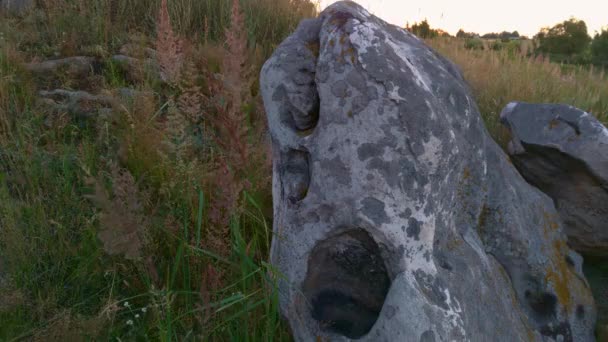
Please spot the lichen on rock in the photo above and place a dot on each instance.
(393, 177)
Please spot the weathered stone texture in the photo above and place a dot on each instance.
(397, 217)
(563, 151)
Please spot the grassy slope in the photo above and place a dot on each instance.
(65, 179)
(63, 284)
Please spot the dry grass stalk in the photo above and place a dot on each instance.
(169, 47)
(211, 280)
(191, 99)
(228, 121)
(123, 223)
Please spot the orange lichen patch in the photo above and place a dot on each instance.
(339, 19)
(482, 219)
(306, 132)
(552, 221)
(563, 279)
(559, 274)
(453, 243)
(314, 48)
(530, 333)
(553, 123)
(550, 224)
(466, 173)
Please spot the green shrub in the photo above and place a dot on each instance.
(473, 44)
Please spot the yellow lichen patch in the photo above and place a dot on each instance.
(563, 279)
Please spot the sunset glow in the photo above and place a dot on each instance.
(483, 16)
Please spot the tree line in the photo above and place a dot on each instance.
(568, 41)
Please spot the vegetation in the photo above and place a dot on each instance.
(462, 34)
(567, 42)
(504, 35)
(151, 220)
(599, 48)
(568, 38)
(424, 30)
(498, 77)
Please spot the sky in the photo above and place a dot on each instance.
(484, 16)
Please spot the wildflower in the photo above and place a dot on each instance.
(136, 315)
(130, 322)
(144, 310)
(127, 305)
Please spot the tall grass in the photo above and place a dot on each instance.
(70, 27)
(152, 222)
(499, 77)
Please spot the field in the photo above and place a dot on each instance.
(498, 77)
(146, 213)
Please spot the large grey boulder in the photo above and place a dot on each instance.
(563, 151)
(396, 216)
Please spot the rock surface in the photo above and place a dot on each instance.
(83, 105)
(397, 217)
(563, 151)
(77, 66)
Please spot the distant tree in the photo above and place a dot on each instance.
(491, 35)
(423, 30)
(442, 33)
(568, 38)
(462, 34)
(504, 35)
(599, 47)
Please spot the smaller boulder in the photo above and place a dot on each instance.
(75, 67)
(563, 151)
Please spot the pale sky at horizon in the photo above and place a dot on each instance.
(483, 16)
